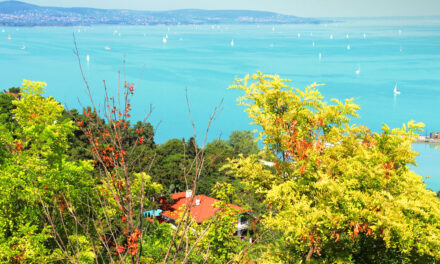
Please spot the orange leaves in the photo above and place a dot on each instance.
(335, 235)
(18, 145)
(132, 243)
(139, 130)
(358, 228)
(124, 218)
(302, 170)
(87, 113)
(141, 140)
(119, 249)
(80, 123)
(388, 166)
(130, 87)
(105, 133)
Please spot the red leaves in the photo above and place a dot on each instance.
(139, 130)
(141, 140)
(124, 218)
(80, 123)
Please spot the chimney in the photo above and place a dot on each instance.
(197, 201)
(188, 193)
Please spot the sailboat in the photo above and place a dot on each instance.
(348, 47)
(164, 40)
(23, 47)
(299, 35)
(232, 43)
(395, 90)
(331, 36)
(88, 58)
(313, 44)
(358, 71)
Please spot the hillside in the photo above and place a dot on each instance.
(16, 13)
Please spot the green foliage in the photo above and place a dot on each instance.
(243, 142)
(334, 191)
(36, 172)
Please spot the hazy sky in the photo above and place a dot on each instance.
(310, 8)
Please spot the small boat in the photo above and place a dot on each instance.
(88, 58)
(320, 56)
(395, 90)
(313, 44)
(107, 48)
(232, 43)
(299, 35)
(331, 36)
(358, 71)
(348, 47)
(23, 47)
(9, 37)
(365, 35)
(166, 36)
(347, 36)
(164, 40)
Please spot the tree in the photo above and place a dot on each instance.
(336, 192)
(36, 179)
(243, 142)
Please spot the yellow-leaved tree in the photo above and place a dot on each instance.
(335, 192)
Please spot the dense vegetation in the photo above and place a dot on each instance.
(75, 184)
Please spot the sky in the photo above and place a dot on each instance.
(305, 8)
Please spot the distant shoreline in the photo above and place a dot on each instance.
(21, 14)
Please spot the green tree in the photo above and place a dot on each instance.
(335, 192)
(243, 142)
(36, 180)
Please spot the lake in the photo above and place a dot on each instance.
(360, 58)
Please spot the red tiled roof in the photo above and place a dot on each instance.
(202, 212)
(14, 94)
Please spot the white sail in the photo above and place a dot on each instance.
(395, 90)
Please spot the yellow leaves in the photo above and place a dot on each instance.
(327, 168)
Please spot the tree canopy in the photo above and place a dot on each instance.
(336, 192)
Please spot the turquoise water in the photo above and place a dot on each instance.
(201, 59)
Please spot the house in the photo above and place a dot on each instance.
(202, 209)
